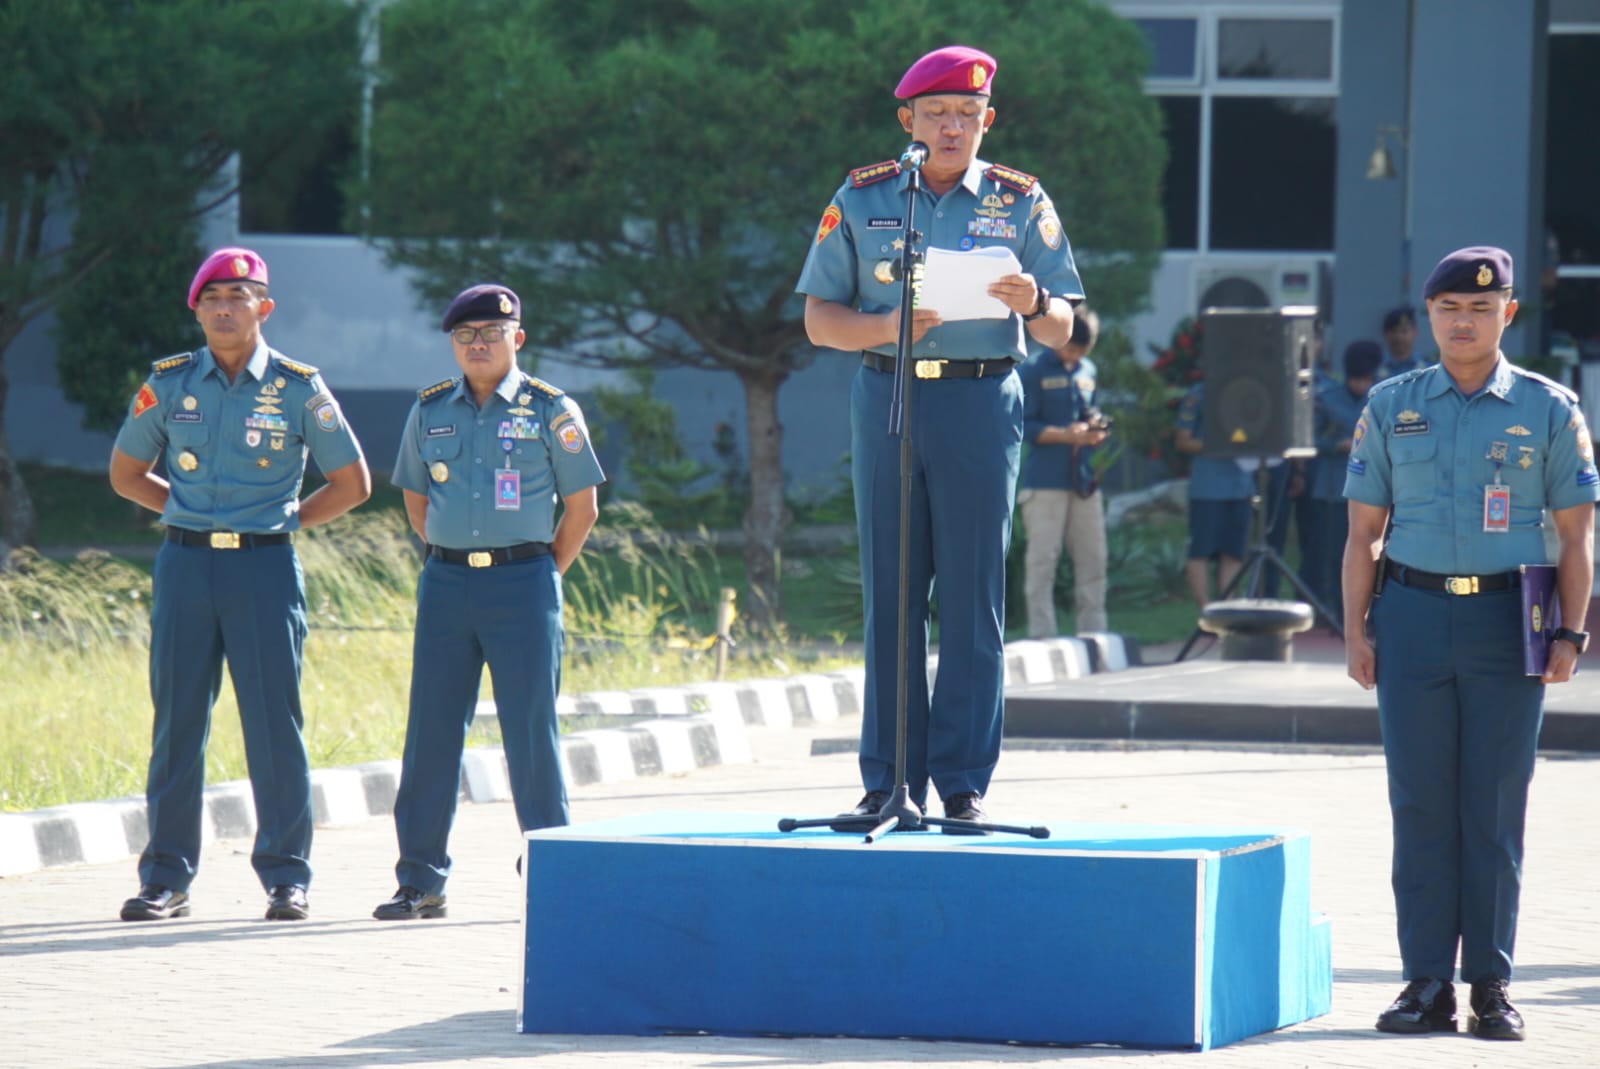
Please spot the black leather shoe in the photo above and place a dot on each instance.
(967, 805)
(409, 903)
(864, 816)
(1426, 1005)
(155, 903)
(287, 902)
(1495, 1017)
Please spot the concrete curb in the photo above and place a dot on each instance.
(656, 731)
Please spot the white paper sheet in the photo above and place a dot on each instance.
(956, 284)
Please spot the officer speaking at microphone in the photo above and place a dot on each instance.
(1465, 458)
(236, 421)
(966, 430)
(485, 460)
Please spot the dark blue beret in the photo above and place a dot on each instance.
(484, 302)
(1479, 269)
(1361, 359)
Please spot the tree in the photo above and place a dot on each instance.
(649, 176)
(118, 118)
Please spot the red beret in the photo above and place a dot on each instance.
(954, 69)
(229, 265)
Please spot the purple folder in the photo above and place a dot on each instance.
(1541, 615)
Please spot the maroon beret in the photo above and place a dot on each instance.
(954, 69)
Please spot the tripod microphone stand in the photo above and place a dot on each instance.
(1260, 556)
(900, 813)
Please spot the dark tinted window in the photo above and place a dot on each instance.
(1300, 49)
(1572, 147)
(1172, 47)
(1272, 173)
(1180, 186)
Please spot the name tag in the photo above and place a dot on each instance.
(1403, 429)
(1056, 382)
(442, 432)
(186, 417)
(885, 223)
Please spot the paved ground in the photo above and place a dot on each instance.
(225, 988)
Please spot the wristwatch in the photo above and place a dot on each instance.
(1579, 639)
(1041, 309)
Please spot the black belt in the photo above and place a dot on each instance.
(1453, 584)
(486, 558)
(226, 539)
(943, 369)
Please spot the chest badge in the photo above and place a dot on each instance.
(263, 462)
(1518, 431)
(190, 404)
(1525, 461)
(440, 473)
(188, 461)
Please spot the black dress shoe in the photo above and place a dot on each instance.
(864, 817)
(967, 805)
(287, 902)
(155, 903)
(1426, 1005)
(408, 904)
(1495, 1017)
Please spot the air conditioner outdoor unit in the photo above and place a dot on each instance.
(1259, 284)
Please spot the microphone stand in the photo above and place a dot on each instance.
(900, 813)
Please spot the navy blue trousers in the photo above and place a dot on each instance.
(1460, 729)
(248, 605)
(510, 617)
(966, 437)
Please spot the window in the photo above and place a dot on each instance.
(1572, 147)
(1174, 54)
(1272, 172)
(1277, 49)
(1180, 186)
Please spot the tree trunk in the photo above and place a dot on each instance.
(767, 519)
(18, 524)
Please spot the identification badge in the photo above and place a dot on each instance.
(508, 490)
(1497, 508)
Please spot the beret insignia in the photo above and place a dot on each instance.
(978, 76)
(505, 305)
(877, 172)
(1485, 276)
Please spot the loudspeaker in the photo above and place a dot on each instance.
(1257, 365)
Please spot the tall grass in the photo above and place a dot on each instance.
(75, 714)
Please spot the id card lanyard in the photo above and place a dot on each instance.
(1496, 495)
(508, 481)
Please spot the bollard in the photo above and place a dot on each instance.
(1256, 629)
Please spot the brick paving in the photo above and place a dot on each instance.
(223, 987)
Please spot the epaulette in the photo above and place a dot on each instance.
(1552, 385)
(543, 386)
(865, 176)
(304, 372)
(168, 364)
(1404, 376)
(1006, 176)
(434, 392)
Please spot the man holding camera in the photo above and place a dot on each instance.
(1060, 495)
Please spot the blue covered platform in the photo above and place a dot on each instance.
(1147, 936)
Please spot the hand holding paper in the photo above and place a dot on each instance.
(956, 284)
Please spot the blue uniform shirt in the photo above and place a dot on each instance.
(1210, 478)
(991, 206)
(1427, 451)
(450, 450)
(236, 453)
(1337, 410)
(1054, 396)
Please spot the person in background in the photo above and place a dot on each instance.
(1337, 407)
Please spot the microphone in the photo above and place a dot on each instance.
(915, 155)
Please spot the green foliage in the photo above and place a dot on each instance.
(662, 474)
(1133, 396)
(134, 314)
(1178, 366)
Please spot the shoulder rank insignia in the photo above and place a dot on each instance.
(865, 176)
(543, 386)
(1006, 176)
(169, 364)
(437, 390)
(304, 372)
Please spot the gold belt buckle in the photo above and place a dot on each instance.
(1462, 584)
(929, 369)
(480, 558)
(224, 540)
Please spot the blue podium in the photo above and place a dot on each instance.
(1146, 936)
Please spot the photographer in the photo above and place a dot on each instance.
(1060, 496)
